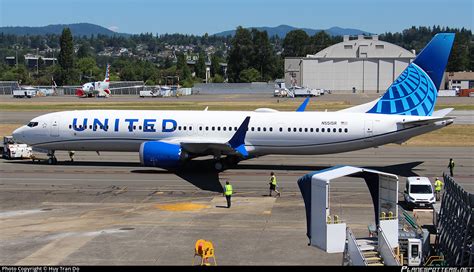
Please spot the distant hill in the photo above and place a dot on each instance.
(282, 30)
(79, 29)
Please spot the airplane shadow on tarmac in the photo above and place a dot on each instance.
(403, 169)
(201, 173)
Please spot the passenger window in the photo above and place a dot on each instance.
(334, 130)
(253, 129)
(258, 129)
(281, 129)
(140, 127)
(230, 128)
(271, 129)
(207, 128)
(305, 129)
(190, 128)
(70, 126)
(213, 128)
(218, 128)
(264, 129)
(311, 130)
(235, 128)
(317, 129)
(134, 127)
(301, 130)
(294, 129)
(289, 129)
(340, 130)
(179, 127)
(200, 128)
(184, 127)
(90, 126)
(346, 130)
(224, 128)
(322, 130)
(329, 130)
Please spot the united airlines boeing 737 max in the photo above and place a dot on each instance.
(169, 138)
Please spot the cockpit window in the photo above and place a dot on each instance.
(32, 124)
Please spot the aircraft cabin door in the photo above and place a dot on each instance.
(368, 130)
(54, 128)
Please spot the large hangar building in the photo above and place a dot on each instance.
(363, 62)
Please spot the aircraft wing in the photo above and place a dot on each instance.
(207, 146)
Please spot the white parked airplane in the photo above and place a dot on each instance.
(97, 88)
(168, 139)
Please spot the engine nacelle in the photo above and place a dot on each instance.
(160, 154)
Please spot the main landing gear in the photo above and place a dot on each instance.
(51, 158)
(221, 164)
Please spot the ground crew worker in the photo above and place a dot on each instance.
(71, 155)
(438, 186)
(273, 184)
(228, 193)
(451, 167)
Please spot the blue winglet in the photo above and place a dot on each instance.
(237, 141)
(303, 105)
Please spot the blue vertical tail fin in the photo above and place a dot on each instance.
(415, 91)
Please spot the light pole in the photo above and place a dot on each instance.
(37, 60)
(16, 55)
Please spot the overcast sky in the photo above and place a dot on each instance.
(212, 16)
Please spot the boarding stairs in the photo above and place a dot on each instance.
(369, 250)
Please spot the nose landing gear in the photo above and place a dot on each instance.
(51, 158)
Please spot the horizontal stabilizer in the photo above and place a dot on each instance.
(443, 112)
(427, 121)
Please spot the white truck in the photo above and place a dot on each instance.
(149, 93)
(13, 150)
(302, 91)
(24, 93)
(419, 192)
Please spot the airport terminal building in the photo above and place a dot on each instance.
(364, 63)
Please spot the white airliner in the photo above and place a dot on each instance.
(167, 139)
(97, 88)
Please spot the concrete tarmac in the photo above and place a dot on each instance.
(108, 209)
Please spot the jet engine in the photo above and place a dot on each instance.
(160, 154)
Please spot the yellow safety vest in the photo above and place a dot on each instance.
(228, 189)
(438, 185)
(273, 180)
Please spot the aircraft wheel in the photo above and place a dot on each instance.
(50, 161)
(219, 166)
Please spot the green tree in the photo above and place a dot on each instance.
(182, 67)
(217, 79)
(66, 56)
(87, 66)
(240, 54)
(249, 75)
(200, 66)
(318, 42)
(215, 65)
(295, 43)
(263, 55)
(83, 51)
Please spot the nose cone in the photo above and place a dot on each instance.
(19, 135)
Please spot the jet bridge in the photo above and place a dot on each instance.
(328, 232)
